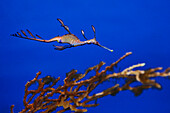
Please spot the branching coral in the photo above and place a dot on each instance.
(75, 93)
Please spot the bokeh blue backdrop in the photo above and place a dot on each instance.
(140, 26)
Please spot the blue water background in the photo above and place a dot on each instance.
(140, 26)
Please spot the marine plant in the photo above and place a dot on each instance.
(76, 92)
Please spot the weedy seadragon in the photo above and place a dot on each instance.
(69, 38)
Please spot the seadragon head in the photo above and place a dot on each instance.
(94, 41)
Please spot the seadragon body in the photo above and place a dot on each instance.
(69, 38)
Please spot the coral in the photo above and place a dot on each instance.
(75, 93)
